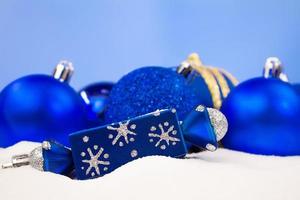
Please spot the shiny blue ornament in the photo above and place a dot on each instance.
(200, 89)
(263, 115)
(95, 96)
(41, 107)
(147, 89)
(297, 88)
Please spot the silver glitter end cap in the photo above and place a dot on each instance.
(219, 122)
(36, 159)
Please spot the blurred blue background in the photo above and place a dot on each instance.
(107, 38)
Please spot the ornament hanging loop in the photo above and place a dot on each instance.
(63, 71)
(274, 68)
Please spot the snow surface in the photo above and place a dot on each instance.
(223, 174)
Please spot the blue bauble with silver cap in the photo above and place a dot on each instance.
(263, 114)
(95, 96)
(39, 107)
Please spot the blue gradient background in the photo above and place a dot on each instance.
(106, 39)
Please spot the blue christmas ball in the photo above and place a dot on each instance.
(39, 107)
(263, 116)
(95, 96)
(147, 89)
(297, 88)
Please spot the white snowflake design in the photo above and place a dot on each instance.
(123, 131)
(164, 135)
(94, 161)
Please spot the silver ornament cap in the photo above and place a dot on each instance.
(63, 71)
(274, 68)
(185, 69)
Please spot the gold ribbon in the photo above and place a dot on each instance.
(233, 80)
(221, 81)
(213, 78)
(208, 77)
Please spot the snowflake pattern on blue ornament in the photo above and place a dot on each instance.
(94, 161)
(103, 149)
(163, 135)
(122, 131)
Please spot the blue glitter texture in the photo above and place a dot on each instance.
(147, 89)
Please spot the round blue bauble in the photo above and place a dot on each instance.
(297, 88)
(263, 116)
(147, 89)
(39, 107)
(95, 96)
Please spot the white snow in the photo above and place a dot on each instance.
(223, 174)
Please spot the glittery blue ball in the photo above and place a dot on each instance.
(147, 89)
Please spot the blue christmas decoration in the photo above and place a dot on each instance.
(196, 127)
(147, 89)
(297, 88)
(263, 115)
(57, 158)
(50, 157)
(41, 107)
(99, 151)
(95, 96)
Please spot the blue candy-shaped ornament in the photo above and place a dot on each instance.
(40, 107)
(101, 150)
(263, 114)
